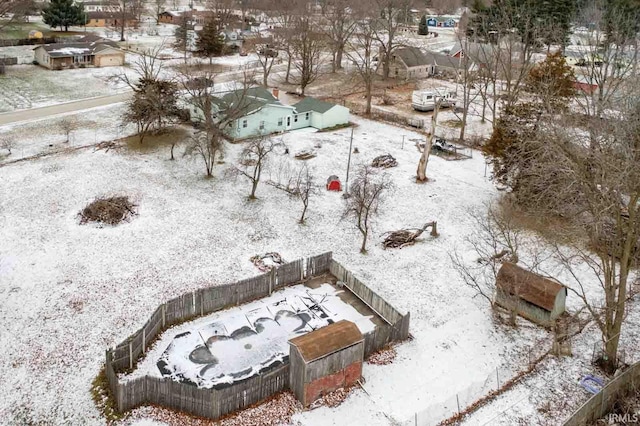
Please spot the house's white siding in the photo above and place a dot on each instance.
(269, 119)
(335, 116)
(42, 57)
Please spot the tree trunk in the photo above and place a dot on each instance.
(424, 158)
(339, 54)
(304, 211)
(368, 96)
(254, 186)
(363, 247)
(286, 77)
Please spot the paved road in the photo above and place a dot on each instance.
(49, 111)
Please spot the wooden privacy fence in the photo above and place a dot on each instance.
(218, 401)
(397, 327)
(211, 299)
(601, 403)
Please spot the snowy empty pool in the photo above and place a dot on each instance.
(235, 344)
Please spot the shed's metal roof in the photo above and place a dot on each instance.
(327, 340)
(531, 287)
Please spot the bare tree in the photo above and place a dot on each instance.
(254, 158)
(361, 53)
(299, 183)
(339, 24)
(390, 13)
(68, 125)
(159, 7)
(13, 11)
(307, 46)
(284, 13)
(209, 146)
(215, 113)
(267, 50)
(366, 195)
(597, 192)
(426, 151)
(494, 240)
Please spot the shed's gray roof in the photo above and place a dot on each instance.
(313, 104)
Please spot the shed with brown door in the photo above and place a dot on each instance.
(532, 296)
(325, 360)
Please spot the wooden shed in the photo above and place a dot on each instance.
(534, 297)
(325, 360)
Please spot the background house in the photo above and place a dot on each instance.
(71, 55)
(534, 297)
(325, 360)
(409, 63)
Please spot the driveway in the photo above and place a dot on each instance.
(67, 107)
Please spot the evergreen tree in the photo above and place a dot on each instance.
(552, 82)
(210, 41)
(423, 29)
(64, 13)
(181, 35)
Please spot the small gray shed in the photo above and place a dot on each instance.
(325, 360)
(532, 296)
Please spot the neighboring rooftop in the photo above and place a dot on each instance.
(412, 56)
(531, 287)
(327, 340)
(61, 50)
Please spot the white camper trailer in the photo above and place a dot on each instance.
(425, 100)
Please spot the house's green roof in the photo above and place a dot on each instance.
(248, 100)
(313, 104)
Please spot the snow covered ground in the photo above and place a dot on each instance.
(237, 343)
(68, 291)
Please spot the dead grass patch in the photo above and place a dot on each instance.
(153, 141)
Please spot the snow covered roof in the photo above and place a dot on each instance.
(327, 340)
(62, 50)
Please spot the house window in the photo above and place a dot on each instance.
(262, 125)
(280, 121)
(244, 124)
(295, 118)
(306, 116)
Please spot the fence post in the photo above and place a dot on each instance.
(497, 379)
(458, 401)
(144, 339)
(193, 295)
(130, 356)
(164, 322)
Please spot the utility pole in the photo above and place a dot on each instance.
(346, 184)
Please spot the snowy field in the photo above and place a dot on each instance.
(236, 344)
(67, 292)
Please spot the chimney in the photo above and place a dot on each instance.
(275, 92)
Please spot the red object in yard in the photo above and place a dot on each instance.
(333, 183)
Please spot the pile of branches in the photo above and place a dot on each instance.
(109, 211)
(267, 261)
(384, 161)
(407, 237)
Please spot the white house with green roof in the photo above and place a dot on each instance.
(263, 113)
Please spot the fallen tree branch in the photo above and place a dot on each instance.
(407, 237)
